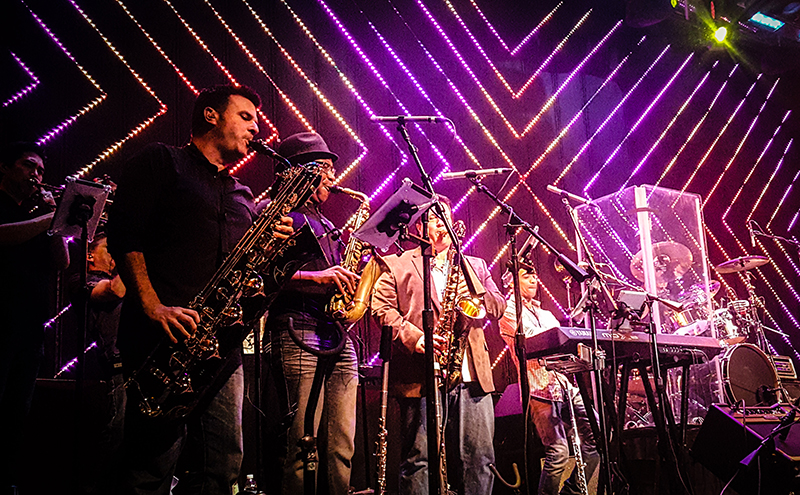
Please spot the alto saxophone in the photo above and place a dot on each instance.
(175, 379)
(359, 258)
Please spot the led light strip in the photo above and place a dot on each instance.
(696, 127)
(774, 173)
(27, 89)
(141, 126)
(311, 84)
(56, 130)
(526, 38)
(72, 362)
(714, 144)
(479, 47)
(647, 111)
(613, 113)
(52, 320)
(552, 55)
(785, 194)
(668, 128)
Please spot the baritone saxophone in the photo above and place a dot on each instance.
(360, 258)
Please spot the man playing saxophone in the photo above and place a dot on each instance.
(176, 216)
(555, 404)
(469, 431)
(302, 301)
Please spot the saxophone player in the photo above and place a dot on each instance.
(176, 216)
(398, 302)
(551, 394)
(303, 300)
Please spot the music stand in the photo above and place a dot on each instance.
(403, 208)
(77, 216)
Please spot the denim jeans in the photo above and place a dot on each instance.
(468, 442)
(209, 447)
(335, 414)
(553, 424)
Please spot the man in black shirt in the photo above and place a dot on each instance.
(29, 259)
(176, 215)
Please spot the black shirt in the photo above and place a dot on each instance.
(295, 295)
(185, 216)
(26, 271)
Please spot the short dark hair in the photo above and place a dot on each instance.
(98, 236)
(12, 152)
(217, 97)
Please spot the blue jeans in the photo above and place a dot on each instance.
(335, 414)
(468, 439)
(553, 423)
(209, 447)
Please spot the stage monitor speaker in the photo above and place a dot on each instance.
(728, 436)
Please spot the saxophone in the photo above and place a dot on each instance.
(457, 311)
(175, 379)
(451, 326)
(580, 465)
(349, 309)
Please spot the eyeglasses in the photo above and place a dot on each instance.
(326, 168)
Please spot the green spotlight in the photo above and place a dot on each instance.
(720, 34)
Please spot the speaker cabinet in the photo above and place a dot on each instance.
(728, 436)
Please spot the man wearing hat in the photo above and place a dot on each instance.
(550, 391)
(301, 304)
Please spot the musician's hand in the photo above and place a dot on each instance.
(345, 280)
(176, 322)
(48, 198)
(283, 229)
(439, 344)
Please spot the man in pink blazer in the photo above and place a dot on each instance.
(398, 302)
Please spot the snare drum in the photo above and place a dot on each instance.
(744, 368)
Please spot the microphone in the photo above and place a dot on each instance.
(470, 174)
(409, 118)
(752, 235)
(529, 244)
(573, 197)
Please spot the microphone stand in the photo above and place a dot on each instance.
(577, 273)
(597, 354)
(433, 427)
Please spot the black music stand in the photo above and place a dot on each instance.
(77, 216)
(403, 208)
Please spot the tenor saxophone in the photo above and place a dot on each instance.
(359, 258)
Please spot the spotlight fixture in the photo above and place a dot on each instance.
(720, 34)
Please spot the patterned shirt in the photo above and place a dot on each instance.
(547, 385)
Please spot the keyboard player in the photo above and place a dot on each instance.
(549, 392)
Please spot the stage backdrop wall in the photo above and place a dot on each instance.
(563, 93)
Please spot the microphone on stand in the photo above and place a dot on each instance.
(470, 174)
(752, 235)
(573, 197)
(529, 245)
(409, 118)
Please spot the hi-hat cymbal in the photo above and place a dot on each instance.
(696, 293)
(741, 264)
(671, 261)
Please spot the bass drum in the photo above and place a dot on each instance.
(744, 369)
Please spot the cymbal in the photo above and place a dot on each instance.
(671, 261)
(741, 264)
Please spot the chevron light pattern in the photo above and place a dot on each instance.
(561, 92)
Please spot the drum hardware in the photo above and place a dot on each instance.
(671, 261)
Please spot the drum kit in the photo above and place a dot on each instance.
(745, 371)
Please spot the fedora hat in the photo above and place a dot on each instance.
(305, 147)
